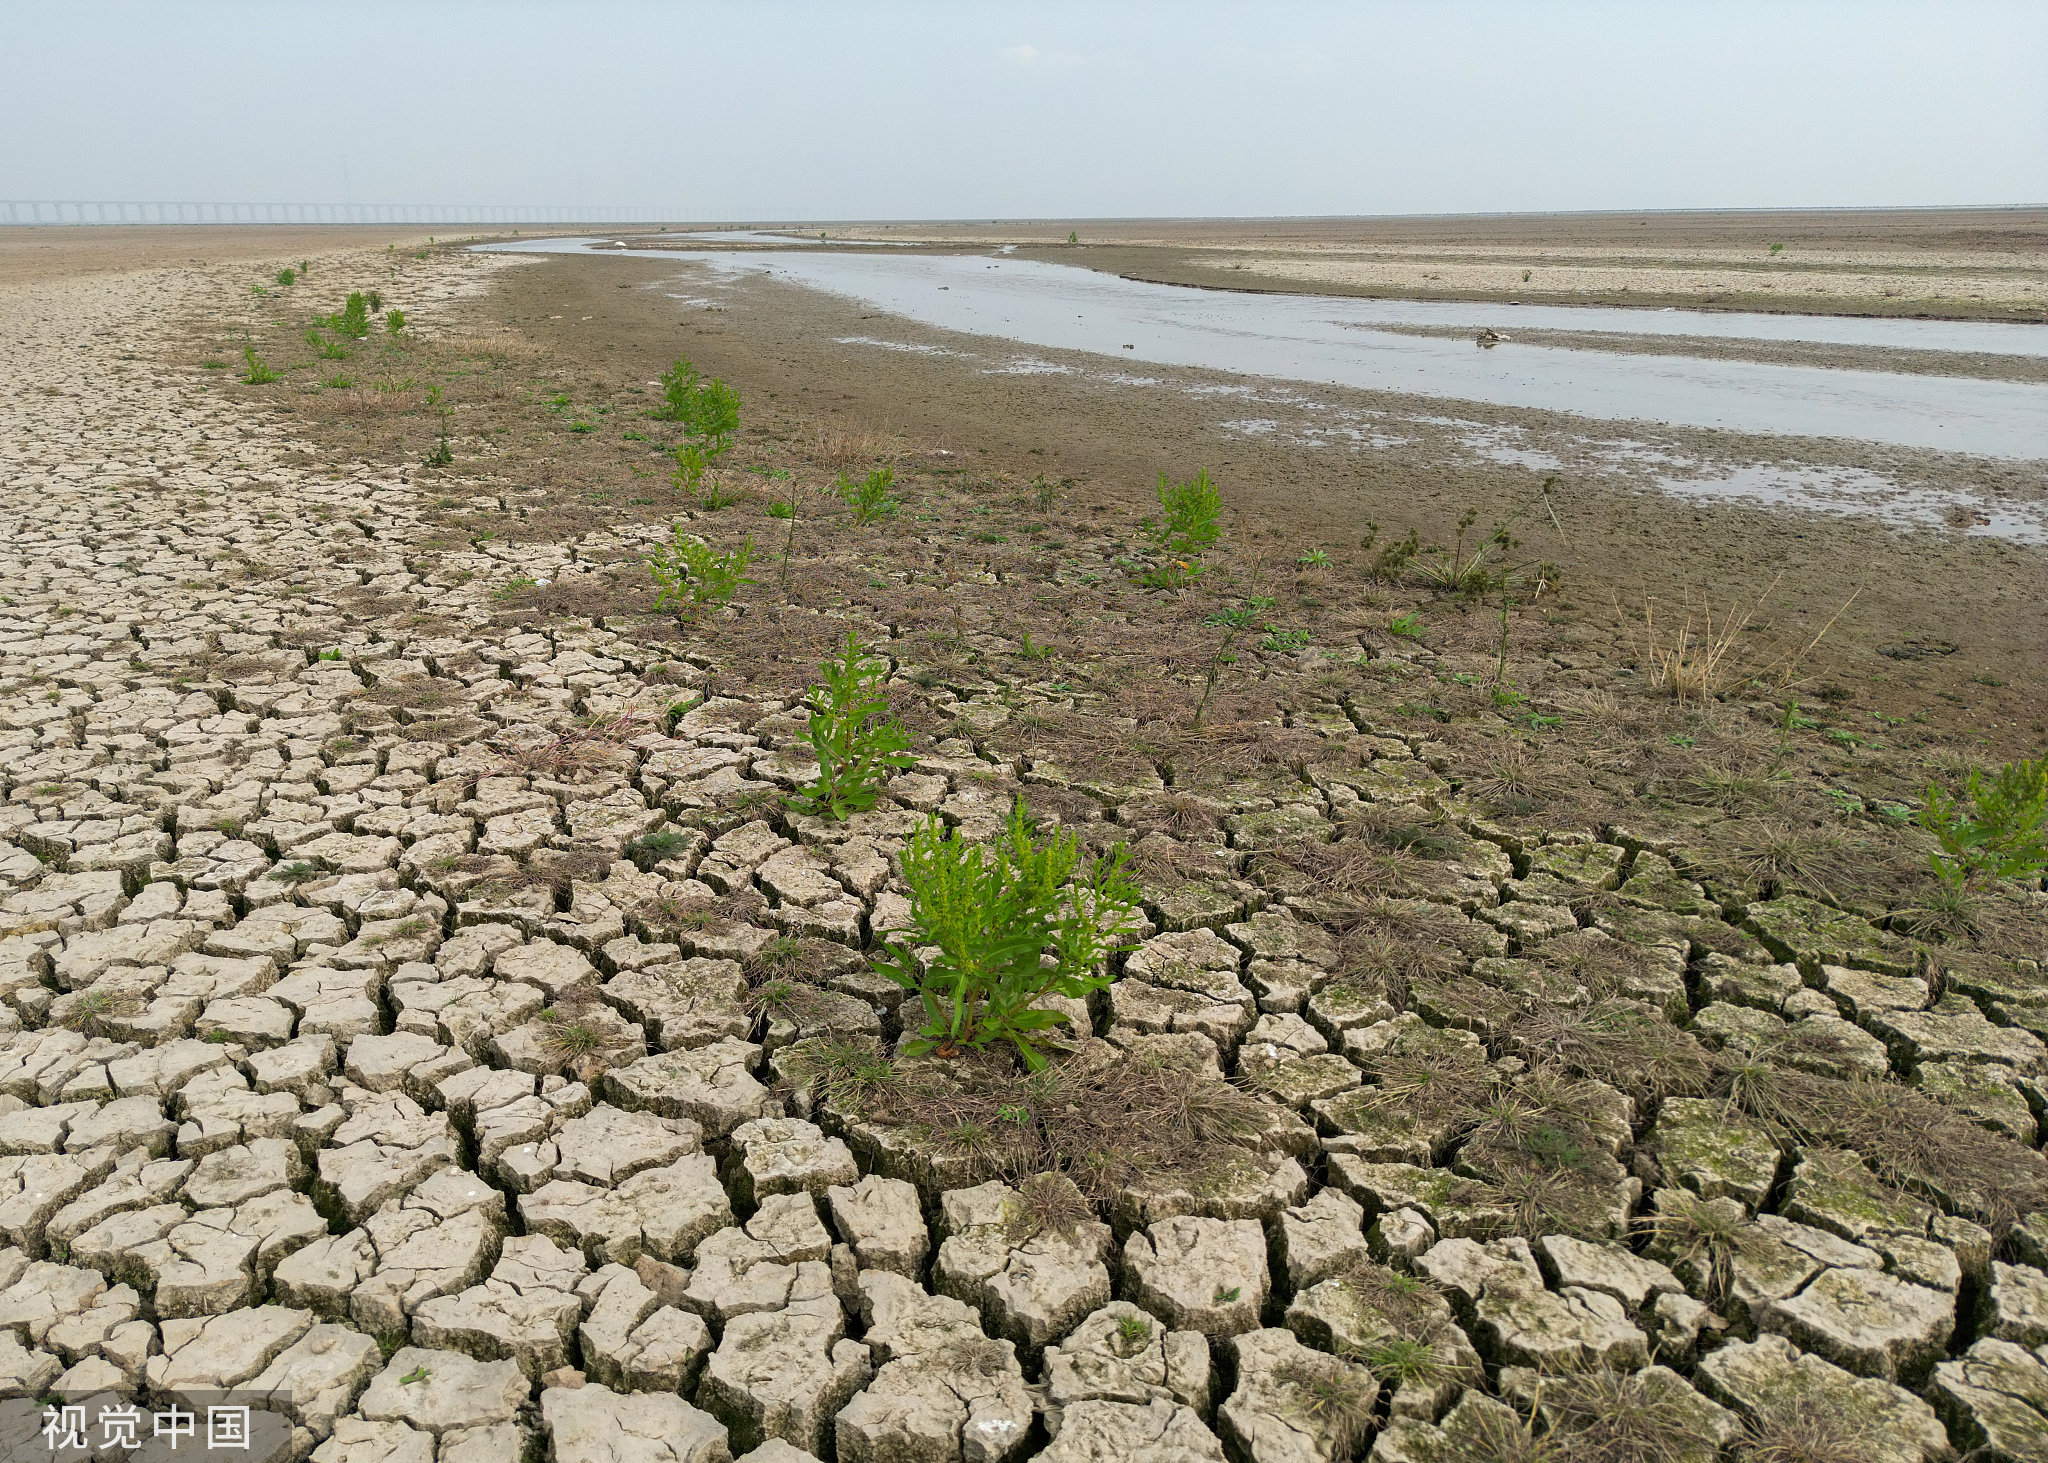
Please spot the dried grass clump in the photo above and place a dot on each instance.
(1804, 1429)
(803, 961)
(1158, 863)
(1910, 1141)
(1102, 1122)
(1176, 815)
(1943, 911)
(1704, 656)
(1602, 1416)
(843, 449)
(1539, 1151)
(1776, 858)
(1047, 1203)
(1620, 1042)
(1410, 1305)
(1733, 788)
(1429, 1089)
(1392, 946)
(1349, 866)
(670, 911)
(1427, 838)
(1515, 774)
(592, 743)
(1703, 1236)
(1336, 1398)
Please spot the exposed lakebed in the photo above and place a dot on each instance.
(1287, 345)
(1331, 341)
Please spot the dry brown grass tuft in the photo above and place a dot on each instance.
(1704, 656)
(594, 742)
(1601, 1416)
(1177, 815)
(1514, 772)
(1703, 1236)
(1909, 1140)
(850, 450)
(1775, 857)
(1409, 1304)
(1350, 866)
(1102, 1120)
(668, 912)
(1620, 1042)
(1337, 1400)
(1804, 1429)
(1047, 1203)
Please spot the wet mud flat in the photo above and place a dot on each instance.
(1667, 510)
(423, 1010)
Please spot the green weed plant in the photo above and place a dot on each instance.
(858, 743)
(1192, 514)
(869, 497)
(991, 915)
(690, 575)
(2001, 834)
(707, 410)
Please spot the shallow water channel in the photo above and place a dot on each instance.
(1331, 341)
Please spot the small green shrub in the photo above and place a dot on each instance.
(1192, 510)
(375, 300)
(651, 848)
(287, 277)
(1314, 559)
(257, 373)
(690, 574)
(2004, 832)
(993, 913)
(1393, 559)
(394, 320)
(708, 411)
(869, 498)
(354, 319)
(859, 744)
(1408, 626)
(1453, 571)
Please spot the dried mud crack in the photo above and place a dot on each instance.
(422, 1010)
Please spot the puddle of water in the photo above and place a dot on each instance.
(764, 236)
(911, 348)
(1855, 492)
(1840, 491)
(1315, 339)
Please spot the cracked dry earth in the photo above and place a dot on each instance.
(348, 1062)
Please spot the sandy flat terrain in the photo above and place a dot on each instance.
(1955, 263)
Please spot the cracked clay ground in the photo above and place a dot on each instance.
(299, 903)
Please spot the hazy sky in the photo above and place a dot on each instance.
(787, 109)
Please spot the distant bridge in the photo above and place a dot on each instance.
(91, 211)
